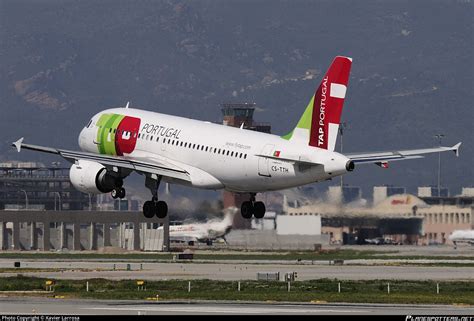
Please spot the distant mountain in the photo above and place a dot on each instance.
(412, 76)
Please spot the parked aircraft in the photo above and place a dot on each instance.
(203, 232)
(462, 236)
(177, 150)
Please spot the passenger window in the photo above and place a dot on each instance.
(194, 146)
(227, 153)
(139, 135)
(157, 139)
(232, 154)
(245, 156)
(215, 150)
(90, 122)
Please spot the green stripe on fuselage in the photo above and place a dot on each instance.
(108, 123)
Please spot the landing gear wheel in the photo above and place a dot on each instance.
(161, 209)
(259, 209)
(149, 209)
(118, 192)
(246, 209)
(121, 192)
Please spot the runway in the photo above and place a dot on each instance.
(27, 305)
(231, 271)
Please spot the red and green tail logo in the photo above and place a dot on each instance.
(319, 124)
(117, 134)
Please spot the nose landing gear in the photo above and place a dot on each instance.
(249, 208)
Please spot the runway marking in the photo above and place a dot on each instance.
(239, 310)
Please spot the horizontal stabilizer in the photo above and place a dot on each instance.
(381, 157)
(17, 144)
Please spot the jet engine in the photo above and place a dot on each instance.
(93, 177)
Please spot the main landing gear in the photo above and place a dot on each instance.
(118, 192)
(154, 207)
(249, 208)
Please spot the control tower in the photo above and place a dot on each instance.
(236, 114)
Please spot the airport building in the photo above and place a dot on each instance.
(81, 230)
(397, 218)
(41, 210)
(33, 186)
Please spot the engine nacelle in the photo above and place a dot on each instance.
(92, 177)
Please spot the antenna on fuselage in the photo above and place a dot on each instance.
(128, 104)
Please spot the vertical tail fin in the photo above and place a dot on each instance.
(319, 124)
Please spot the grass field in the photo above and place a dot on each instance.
(300, 291)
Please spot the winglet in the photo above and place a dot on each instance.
(17, 144)
(128, 104)
(455, 148)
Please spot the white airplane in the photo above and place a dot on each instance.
(203, 232)
(462, 236)
(177, 150)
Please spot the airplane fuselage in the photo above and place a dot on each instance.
(217, 156)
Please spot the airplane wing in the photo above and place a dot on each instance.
(384, 157)
(160, 168)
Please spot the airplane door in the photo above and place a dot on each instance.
(263, 161)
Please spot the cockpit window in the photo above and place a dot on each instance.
(90, 122)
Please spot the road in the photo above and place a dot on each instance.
(231, 271)
(27, 305)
